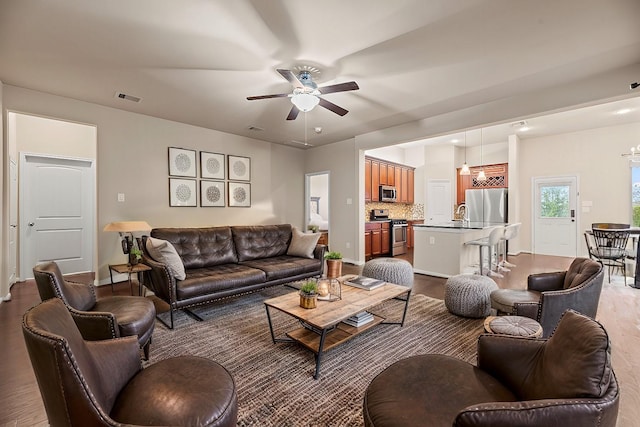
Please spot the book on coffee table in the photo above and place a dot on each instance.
(365, 283)
(359, 319)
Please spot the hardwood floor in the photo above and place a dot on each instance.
(619, 312)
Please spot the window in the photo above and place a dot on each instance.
(635, 195)
(554, 201)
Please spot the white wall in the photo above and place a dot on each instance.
(592, 155)
(132, 158)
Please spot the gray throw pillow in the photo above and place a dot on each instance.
(163, 251)
(302, 244)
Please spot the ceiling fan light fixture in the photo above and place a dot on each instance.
(305, 101)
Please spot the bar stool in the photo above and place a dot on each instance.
(489, 242)
(510, 232)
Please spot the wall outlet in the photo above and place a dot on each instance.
(349, 201)
(432, 240)
(121, 197)
(348, 245)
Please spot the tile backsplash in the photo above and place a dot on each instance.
(396, 210)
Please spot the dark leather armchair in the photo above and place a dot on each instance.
(102, 383)
(566, 380)
(107, 317)
(548, 295)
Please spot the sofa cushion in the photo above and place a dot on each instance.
(200, 247)
(261, 241)
(164, 252)
(586, 373)
(302, 244)
(212, 280)
(284, 266)
(580, 270)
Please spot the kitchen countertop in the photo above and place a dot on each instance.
(464, 225)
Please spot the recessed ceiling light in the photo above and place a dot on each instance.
(524, 128)
(455, 140)
(623, 111)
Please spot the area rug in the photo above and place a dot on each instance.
(275, 381)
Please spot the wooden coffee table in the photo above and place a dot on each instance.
(322, 328)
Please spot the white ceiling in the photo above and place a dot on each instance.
(440, 64)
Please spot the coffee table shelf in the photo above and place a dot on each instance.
(340, 334)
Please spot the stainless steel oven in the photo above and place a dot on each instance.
(398, 237)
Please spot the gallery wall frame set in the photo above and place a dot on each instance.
(214, 191)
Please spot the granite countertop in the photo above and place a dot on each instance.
(465, 225)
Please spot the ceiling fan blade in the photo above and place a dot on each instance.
(340, 87)
(293, 113)
(291, 77)
(333, 107)
(278, 95)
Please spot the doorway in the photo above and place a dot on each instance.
(555, 223)
(317, 201)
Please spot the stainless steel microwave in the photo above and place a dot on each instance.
(387, 193)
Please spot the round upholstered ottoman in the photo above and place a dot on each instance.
(469, 295)
(392, 270)
(517, 326)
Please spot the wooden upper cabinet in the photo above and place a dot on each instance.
(375, 181)
(383, 174)
(367, 180)
(379, 172)
(497, 177)
(391, 175)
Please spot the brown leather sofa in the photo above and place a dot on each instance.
(225, 261)
(566, 380)
(548, 295)
(102, 383)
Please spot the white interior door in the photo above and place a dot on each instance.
(13, 220)
(56, 213)
(555, 224)
(439, 201)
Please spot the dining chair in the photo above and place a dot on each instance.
(611, 248)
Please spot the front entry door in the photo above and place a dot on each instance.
(56, 213)
(555, 224)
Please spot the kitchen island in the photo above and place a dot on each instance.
(440, 250)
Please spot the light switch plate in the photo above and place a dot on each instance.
(121, 197)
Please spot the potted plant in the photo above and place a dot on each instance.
(334, 264)
(135, 255)
(308, 294)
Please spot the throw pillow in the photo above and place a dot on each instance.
(302, 244)
(164, 252)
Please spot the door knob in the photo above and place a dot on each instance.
(31, 224)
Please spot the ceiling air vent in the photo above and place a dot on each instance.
(127, 97)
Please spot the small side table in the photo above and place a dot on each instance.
(518, 326)
(128, 269)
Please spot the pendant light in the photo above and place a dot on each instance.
(465, 167)
(481, 175)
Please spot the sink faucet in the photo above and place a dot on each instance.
(462, 211)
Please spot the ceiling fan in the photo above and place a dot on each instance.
(306, 93)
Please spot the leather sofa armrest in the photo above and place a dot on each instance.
(527, 309)
(95, 325)
(318, 253)
(159, 279)
(117, 361)
(513, 369)
(543, 282)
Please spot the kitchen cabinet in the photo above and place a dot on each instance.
(377, 239)
(497, 177)
(379, 172)
(410, 234)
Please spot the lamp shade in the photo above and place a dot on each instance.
(305, 101)
(127, 226)
(465, 169)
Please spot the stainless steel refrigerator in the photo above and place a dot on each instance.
(487, 205)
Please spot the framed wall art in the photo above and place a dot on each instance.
(239, 168)
(211, 165)
(182, 162)
(212, 193)
(239, 194)
(182, 192)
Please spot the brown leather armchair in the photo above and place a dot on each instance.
(548, 295)
(566, 380)
(102, 383)
(107, 317)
